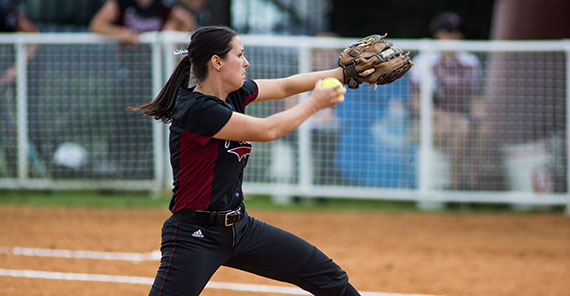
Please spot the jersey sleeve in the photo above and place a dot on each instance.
(243, 96)
(204, 116)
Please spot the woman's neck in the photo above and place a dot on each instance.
(211, 89)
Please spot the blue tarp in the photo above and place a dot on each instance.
(375, 147)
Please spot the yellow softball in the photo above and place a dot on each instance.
(331, 82)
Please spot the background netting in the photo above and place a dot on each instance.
(498, 121)
(78, 123)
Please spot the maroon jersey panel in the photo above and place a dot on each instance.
(196, 159)
(208, 172)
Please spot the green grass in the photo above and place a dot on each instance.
(137, 199)
(330, 204)
(83, 199)
(111, 199)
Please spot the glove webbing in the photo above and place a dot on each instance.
(387, 54)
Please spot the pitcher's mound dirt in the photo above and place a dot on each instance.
(415, 253)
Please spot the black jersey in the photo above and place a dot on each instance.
(208, 172)
(144, 19)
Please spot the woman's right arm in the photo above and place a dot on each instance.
(242, 127)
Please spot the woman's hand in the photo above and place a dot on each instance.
(327, 97)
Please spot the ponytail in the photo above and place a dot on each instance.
(205, 42)
(162, 107)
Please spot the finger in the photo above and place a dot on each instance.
(339, 92)
(318, 84)
(368, 72)
(339, 95)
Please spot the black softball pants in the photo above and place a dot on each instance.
(190, 258)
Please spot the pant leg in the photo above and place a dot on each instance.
(189, 261)
(268, 251)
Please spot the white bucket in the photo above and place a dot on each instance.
(282, 163)
(440, 169)
(282, 169)
(528, 167)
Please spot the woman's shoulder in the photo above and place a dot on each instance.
(194, 109)
(187, 99)
(248, 87)
(246, 94)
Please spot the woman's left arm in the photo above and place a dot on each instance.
(276, 89)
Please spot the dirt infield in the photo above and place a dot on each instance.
(409, 253)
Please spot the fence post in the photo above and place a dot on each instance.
(157, 128)
(305, 159)
(426, 132)
(169, 66)
(22, 111)
(568, 127)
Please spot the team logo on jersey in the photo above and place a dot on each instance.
(240, 151)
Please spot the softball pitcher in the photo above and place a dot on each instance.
(209, 148)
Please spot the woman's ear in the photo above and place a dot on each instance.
(216, 62)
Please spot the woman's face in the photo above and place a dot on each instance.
(234, 64)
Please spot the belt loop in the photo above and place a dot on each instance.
(212, 218)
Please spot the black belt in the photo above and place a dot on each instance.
(226, 218)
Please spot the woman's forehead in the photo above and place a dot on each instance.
(237, 43)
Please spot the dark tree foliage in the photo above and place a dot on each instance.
(407, 18)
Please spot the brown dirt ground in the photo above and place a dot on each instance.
(419, 253)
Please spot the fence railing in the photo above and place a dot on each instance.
(64, 124)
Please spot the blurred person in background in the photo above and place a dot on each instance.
(458, 113)
(12, 20)
(127, 19)
(527, 96)
(199, 9)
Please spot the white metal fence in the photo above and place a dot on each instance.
(64, 124)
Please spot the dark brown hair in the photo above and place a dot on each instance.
(205, 43)
(446, 21)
